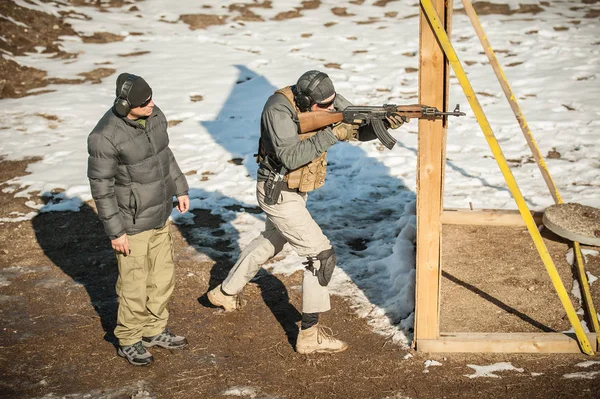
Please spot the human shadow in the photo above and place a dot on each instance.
(356, 207)
(236, 129)
(497, 302)
(77, 244)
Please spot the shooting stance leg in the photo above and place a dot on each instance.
(293, 221)
(261, 249)
(296, 225)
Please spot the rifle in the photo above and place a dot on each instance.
(375, 116)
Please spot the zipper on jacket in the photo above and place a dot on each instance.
(149, 141)
(146, 128)
(135, 209)
(162, 176)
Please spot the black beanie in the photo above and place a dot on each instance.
(140, 91)
(322, 92)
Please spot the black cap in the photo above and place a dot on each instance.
(321, 92)
(140, 90)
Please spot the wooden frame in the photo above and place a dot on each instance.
(504, 343)
(433, 91)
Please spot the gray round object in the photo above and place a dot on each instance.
(575, 222)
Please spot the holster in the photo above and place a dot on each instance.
(275, 181)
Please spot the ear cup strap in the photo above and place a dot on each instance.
(122, 104)
(314, 83)
(126, 88)
(303, 98)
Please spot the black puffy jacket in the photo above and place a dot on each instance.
(133, 173)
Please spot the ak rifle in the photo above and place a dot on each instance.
(375, 116)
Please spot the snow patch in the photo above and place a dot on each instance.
(488, 371)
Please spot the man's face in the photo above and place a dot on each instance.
(325, 105)
(143, 110)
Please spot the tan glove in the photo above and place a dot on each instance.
(396, 120)
(345, 131)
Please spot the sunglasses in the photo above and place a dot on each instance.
(327, 104)
(145, 103)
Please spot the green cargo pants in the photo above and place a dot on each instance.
(145, 284)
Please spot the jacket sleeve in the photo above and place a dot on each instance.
(181, 184)
(102, 166)
(279, 125)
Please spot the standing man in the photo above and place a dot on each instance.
(134, 176)
(301, 159)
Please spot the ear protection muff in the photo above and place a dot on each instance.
(303, 98)
(122, 104)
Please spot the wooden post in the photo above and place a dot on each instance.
(433, 91)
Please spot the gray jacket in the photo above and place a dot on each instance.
(133, 173)
(279, 130)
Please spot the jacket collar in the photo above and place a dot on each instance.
(134, 123)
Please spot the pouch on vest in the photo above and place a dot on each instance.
(312, 175)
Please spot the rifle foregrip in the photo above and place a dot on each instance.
(382, 134)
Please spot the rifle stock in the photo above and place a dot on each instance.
(310, 121)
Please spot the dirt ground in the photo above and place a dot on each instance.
(497, 272)
(58, 303)
(57, 276)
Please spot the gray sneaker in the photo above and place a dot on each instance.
(166, 340)
(136, 354)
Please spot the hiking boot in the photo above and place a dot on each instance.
(165, 339)
(227, 302)
(318, 339)
(136, 354)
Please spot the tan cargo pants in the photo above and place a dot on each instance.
(145, 284)
(287, 221)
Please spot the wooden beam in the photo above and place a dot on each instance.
(433, 87)
(504, 343)
(488, 217)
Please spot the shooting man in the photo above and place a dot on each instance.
(291, 164)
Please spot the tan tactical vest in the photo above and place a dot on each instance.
(312, 175)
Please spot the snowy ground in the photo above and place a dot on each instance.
(551, 59)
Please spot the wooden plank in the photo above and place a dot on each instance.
(504, 343)
(487, 217)
(433, 81)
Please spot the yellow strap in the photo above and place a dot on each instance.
(585, 291)
(444, 41)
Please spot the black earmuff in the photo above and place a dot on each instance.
(303, 98)
(122, 104)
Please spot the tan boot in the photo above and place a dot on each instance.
(227, 302)
(318, 339)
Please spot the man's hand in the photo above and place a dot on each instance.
(184, 203)
(121, 244)
(345, 131)
(396, 120)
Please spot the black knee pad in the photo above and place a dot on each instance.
(327, 260)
